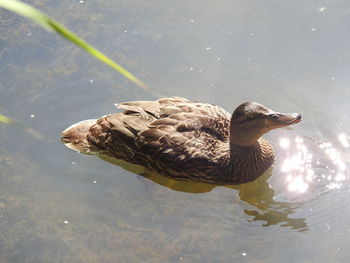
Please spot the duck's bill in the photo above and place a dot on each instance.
(278, 120)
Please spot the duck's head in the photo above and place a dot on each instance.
(251, 120)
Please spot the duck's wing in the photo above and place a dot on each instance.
(183, 140)
(186, 115)
(172, 132)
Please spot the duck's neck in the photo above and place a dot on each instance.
(246, 163)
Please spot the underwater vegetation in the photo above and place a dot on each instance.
(53, 26)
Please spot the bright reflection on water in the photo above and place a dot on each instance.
(344, 140)
(297, 165)
(302, 170)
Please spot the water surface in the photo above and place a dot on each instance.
(60, 206)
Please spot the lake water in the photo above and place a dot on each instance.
(57, 205)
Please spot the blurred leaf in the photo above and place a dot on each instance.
(5, 119)
(53, 26)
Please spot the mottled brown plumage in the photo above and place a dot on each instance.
(184, 140)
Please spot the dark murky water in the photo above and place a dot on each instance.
(60, 206)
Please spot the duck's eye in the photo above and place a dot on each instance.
(247, 119)
(274, 116)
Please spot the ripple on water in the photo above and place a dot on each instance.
(307, 188)
(312, 167)
(308, 182)
(314, 176)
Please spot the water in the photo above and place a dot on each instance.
(60, 206)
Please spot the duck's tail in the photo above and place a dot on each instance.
(75, 137)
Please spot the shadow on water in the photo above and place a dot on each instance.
(258, 194)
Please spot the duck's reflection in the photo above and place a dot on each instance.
(258, 194)
(266, 209)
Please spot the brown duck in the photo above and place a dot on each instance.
(185, 140)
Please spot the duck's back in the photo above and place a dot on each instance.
(170, 132)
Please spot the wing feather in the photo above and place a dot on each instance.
(175, 129)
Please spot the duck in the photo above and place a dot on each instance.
(185, 140)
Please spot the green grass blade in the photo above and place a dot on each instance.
(53, 26)
(5, 119)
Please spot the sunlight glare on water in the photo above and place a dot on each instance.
(300, 168)
(344, 140)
